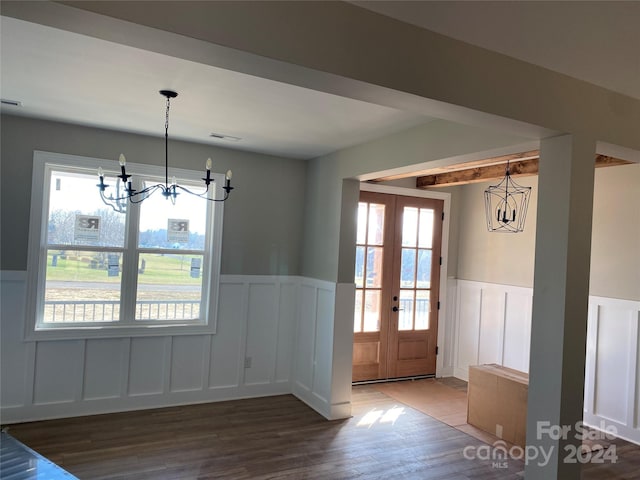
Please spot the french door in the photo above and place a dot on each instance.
(397, 278)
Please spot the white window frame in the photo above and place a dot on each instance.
(35, 329)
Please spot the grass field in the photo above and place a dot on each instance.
(89, 267)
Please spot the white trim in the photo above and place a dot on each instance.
(43, 163)
(446, 198)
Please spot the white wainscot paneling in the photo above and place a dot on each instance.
(305, 338)
(14, 353)
(614, 341)
(286, 331)
(612, 396)
(147, 364)
(228, 342)
(268, 319)
(188, 362)
(467, 328)
(262, 334)
(517, 331)
(323, 355)
(105, 368)
(313, 355)
(491, 326)
(58, 366)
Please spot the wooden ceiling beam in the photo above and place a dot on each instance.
(478, 174)
(531, 154)
(496, 171)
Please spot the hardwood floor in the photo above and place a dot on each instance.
(274, 438)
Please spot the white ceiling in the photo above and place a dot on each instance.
(73, 78)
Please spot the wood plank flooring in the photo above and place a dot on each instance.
(275, 438)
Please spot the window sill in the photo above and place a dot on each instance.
(71, 333)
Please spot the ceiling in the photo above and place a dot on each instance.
(595, 41)
(73, 78)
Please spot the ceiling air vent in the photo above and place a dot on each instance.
(12, 103)
(221, 136)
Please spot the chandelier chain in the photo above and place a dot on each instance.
(166, 120)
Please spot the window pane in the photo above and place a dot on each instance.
(169, 286)
(372, 311)
(422, 309)
(82, 286)
(408, 268)
(374, 267)
(77, 216)
(409, 226)
(165, 225)
(376, 224)
(425, 236)
(405, 319)
(362, 223)
(357, 315)
(424, 268)
(359, 266)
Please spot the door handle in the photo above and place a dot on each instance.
(396, 309)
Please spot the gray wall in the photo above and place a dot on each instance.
(509, 258)
(262, 219)
(331, 205)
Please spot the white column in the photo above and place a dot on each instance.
(560, 303)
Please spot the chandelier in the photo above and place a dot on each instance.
(506, 205)
(124, 190)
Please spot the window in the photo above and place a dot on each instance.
(137, 269)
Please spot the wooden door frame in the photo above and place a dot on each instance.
(443, 315)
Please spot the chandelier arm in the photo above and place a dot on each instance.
(112, 202)
(204, 194)
(168, 190)
(140, 196)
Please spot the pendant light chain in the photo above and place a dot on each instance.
(166, 144)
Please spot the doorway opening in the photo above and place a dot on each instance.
(397, 276)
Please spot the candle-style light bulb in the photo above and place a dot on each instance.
(122, 160)
(208, 165)
(229, 174)
(173, 181)
(100, 172)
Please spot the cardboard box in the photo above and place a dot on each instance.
(497, 402)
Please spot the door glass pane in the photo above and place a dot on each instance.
(169, 286)
(408, 268)
(82, 286)
(425, 235)
(372, 311)
(374, 267)
(362, 223)
(376, 224)
(357, 314)
(405, 315)
(409, 226)
(424, 269)
(359, 266)
(422, 309)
